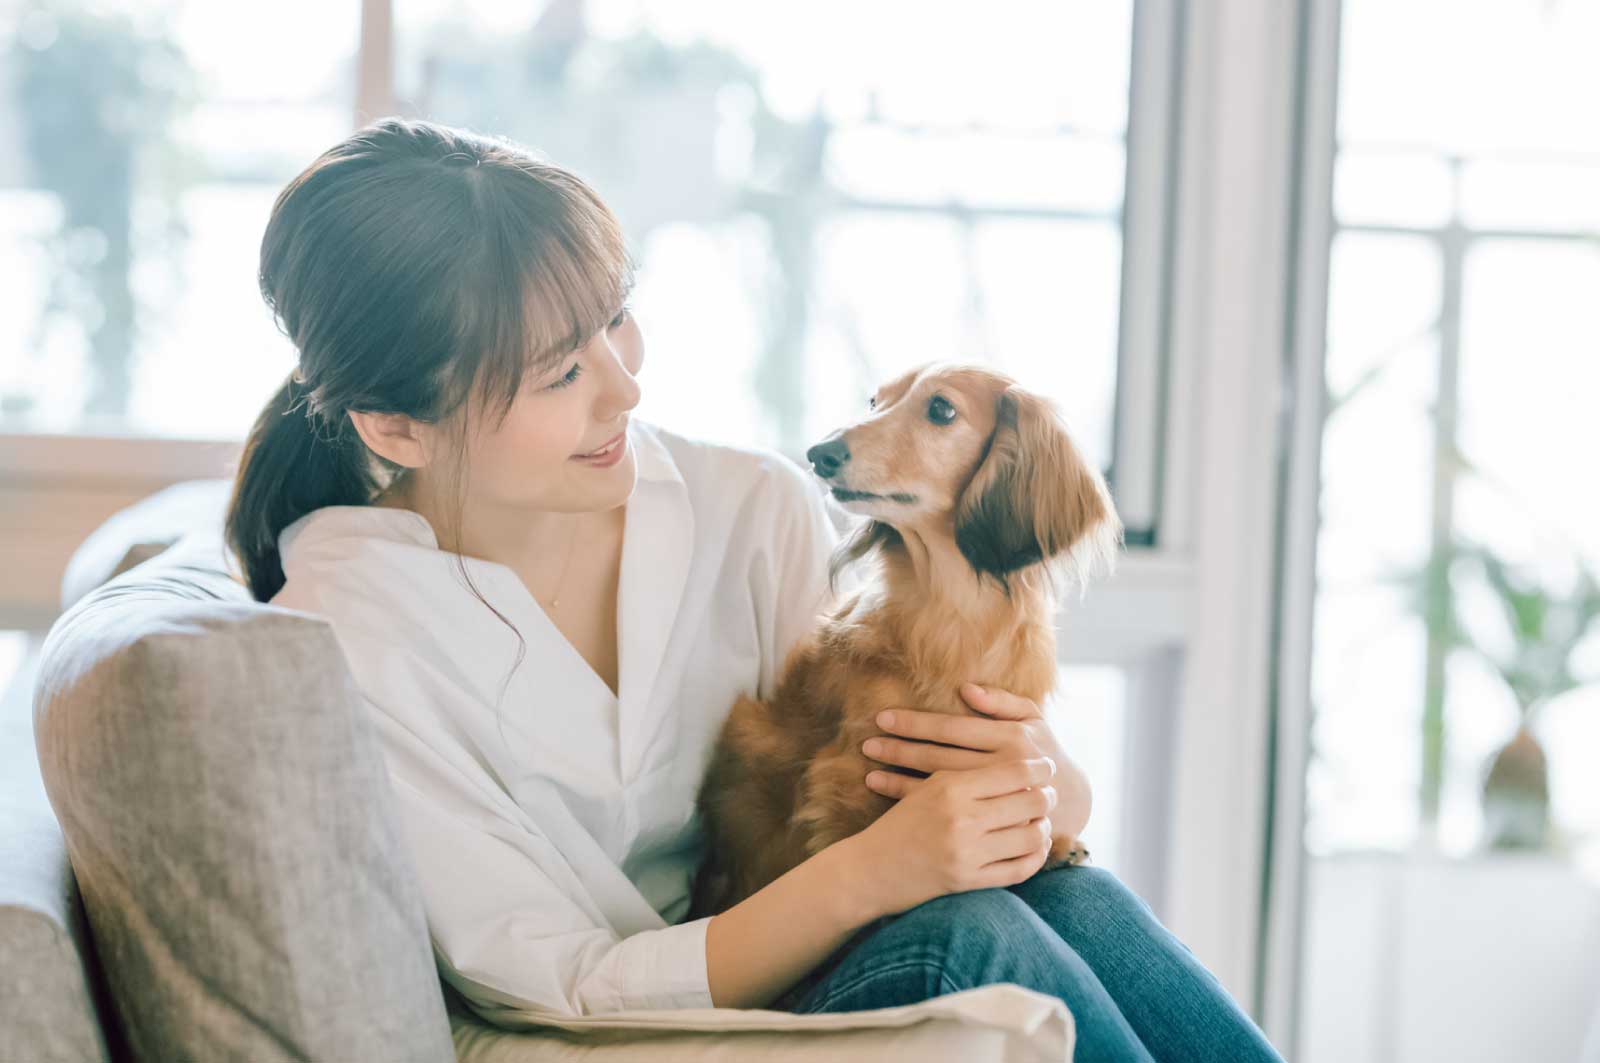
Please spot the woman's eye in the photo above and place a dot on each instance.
(571, 376)
(622, 315)
(872, 403)
(940, 411)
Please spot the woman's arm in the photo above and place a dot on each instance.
(763, 945)
(769, 941)
(956, 831)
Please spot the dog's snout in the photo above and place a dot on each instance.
(828, 456)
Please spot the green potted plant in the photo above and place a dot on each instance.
(1534, 655)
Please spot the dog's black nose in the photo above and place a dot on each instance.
(826, 457)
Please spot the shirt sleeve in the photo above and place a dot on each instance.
(789, 582)
(515, 944)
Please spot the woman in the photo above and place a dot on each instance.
(550, 606)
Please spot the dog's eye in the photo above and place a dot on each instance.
(940, 411)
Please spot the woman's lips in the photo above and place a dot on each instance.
(604, 451)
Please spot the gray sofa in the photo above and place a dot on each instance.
(198, 859)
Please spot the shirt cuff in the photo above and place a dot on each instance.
(671, 971)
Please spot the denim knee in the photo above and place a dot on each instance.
(977, 937)
(944, 945)
(1089, 899)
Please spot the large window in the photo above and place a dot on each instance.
(813, 209)
(1453, 743)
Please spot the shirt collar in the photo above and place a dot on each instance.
(650, 454)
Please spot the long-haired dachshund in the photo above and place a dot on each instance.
(977, 498)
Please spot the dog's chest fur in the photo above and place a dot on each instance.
(936, 647)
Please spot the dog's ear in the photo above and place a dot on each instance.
(1033, 497)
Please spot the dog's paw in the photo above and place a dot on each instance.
(1066, 851)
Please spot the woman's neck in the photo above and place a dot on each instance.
(526, 540)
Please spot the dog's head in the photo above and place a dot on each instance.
(962, 451)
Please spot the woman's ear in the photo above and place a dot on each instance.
(1033, 496)
(393, 436)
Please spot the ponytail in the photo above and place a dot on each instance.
(293, 462)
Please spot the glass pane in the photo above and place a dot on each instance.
(1087, 715)
(805, 228)
(1366, 680)
(1466, 77)
(145, 143)
(1391, 188)
(977, 169)
(1525, 194)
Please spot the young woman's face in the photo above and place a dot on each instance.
(533, 459)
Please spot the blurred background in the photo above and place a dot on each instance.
(1314, 282)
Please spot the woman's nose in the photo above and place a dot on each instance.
(622, 391)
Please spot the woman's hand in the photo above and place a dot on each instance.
(1012, 728)
(956, 831)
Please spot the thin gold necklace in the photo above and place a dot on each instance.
(555, 603)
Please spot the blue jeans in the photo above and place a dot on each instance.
(1077, 933)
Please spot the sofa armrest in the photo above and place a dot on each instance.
(226, 810)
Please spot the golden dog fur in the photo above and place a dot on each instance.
(971, 522)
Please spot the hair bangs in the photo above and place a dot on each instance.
(556, 271)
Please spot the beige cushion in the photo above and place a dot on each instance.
(993, 1024)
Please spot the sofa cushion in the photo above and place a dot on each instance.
(999, 1023)
(226, 810)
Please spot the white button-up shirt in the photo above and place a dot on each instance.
(556, 836)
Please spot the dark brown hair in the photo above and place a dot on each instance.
(417, 268)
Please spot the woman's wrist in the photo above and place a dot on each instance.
(858, 892)
(762, 946)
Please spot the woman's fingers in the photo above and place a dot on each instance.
(1006, 777)
(993, 780)
(998, 813)
(968, 732)
(892, 783)
(1024, 839)
(922, 755)
(1003, 873)
(1000, 703)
